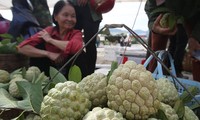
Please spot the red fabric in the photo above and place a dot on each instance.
(158, 42)
(124, 59)
(74, 37)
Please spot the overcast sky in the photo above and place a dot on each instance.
(122, 13)
(125, 13)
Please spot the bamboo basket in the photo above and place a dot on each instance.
(11, 62)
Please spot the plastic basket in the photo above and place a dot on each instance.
(158, 73)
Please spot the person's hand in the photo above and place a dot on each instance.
(160, 30)
(60, 60)
(45, 36)
(82, 2)
(193, 45)
(57, 58)
(53, 56)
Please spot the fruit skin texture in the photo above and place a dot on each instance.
(32, 72)
(32, 117)
(4, 76)
(168, 20)
(99, 113)
(13, 88)
(66, 101)
(95, 85)
(132, 91)
(169, 111)
(189, 114)
(168, 91)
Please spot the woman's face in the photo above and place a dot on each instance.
(66, 18)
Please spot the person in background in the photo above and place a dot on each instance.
(59, 42)
(4, 25)
(41, 12)
(159, 36)
(88, 20)
(29, 17)
(176, 48)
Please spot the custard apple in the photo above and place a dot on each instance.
(169, 111)
(32, 72)
(168, 91)
(168, 20)
(132, 91)
(32, 117)
(16, 76)
(13, 88)
(99, 113)
(66, 101)
(4, 76)
(95, 85)
(153, 119)
(189, 114)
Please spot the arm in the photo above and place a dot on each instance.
(31, 51)
(155, 17)
(70, 46)
(58, 43)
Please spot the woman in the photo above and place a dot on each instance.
(57, 44)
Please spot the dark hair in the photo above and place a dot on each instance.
(58, 7)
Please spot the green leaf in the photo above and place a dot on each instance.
(4, 85)
(23, 71)
(75, 74)
(56, 76)
(19, 39)
(33, 94)
(5, 41)
(6, 36)
(7, 101)
(195, 105)
(161, 115)
(114, 66)
(179, 108)
(186, 97)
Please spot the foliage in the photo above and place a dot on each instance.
(9, 44)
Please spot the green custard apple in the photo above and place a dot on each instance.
(132, 91)
(66, 101)
(13, 88)
(168, 91)
(169, 111)
(99, 113)
(4, 76)
(95, 85)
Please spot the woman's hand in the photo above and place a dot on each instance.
(160, 30)
(53, 56)
(45, 36)
(57, 58)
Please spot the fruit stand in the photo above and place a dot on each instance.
(127, 91)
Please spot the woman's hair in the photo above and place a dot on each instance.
(58, 7)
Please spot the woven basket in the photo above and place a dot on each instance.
(11, 62)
